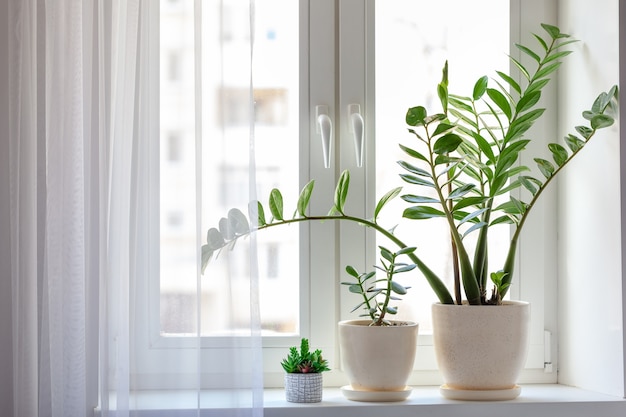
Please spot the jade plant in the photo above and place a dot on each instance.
(462, 165)
(304, 361)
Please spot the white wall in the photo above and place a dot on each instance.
(6, 342)
(591, 343)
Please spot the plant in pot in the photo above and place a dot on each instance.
(303, 377)
(462, 166)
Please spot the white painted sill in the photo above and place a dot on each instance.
(536, 400)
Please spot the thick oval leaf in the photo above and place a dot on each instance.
(600, 121)
(225, 229)
(447, 143)
(406, 250)
(351, 271)
(584, 131)
(574, 143)
(392, 310)
(305, 198)
(214, 239)
(256, 211)
(480, 87)
(276, 204)
(238, 222)
(397, 288)
(355, 288)
(386, 253)
(559, 153)
(422, 212)
(546, 168)
(415, 116)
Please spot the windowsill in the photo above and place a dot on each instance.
(536, 400)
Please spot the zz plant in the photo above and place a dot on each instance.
(462, 166)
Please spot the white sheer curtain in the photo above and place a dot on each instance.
(82, 145)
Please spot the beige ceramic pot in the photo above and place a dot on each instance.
(481, 348)
(378, 358)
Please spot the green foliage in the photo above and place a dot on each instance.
(461, 166)
(304, 361)
(378, 293)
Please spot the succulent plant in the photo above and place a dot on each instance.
(304, 361)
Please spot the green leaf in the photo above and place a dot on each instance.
(574, 143)
(557, 55)
(537, 85)
(553, 31)
(416, 199)
(500, 220)
(546, 168)
(397, 288)
(501, 101)
(528, 52)
(461, 191)
(559, 153)
(442, 92)
(255, 210)
(529, 183)
(447, 143)
(415, 116)
(413, 179)
(351, 271)
(520, 67)
(413, 153)
(528, 101)
(341, 191)
(441, 128)
(472, 215)
(543, 43)
(391, 310)
(406, 250)
(510, 81)
(305, 198)
(584, 131)
(390, 195)
(545, 71)
(474, 227)
(421, 213)
(413, 169)
(600, 121)
(484, 146)
(480, 87)
(467, 202)
(276, 204)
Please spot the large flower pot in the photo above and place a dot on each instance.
(481, 350)
(377, 360)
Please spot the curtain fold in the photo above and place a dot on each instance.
(84, 237)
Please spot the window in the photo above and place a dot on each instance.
(330, 59)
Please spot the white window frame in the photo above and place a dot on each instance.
(341, 47)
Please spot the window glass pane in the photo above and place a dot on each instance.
(225, 144)
(414, 38)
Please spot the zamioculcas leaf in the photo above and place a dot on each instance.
(255, 210)
(528, 101)
(305, 198)
(341, 191)
(474, 227)
(385, 199)
(238, 222)
(442, 92)
(414, 179)
(537, 85)
(480, 87)
(528, 52)
(469, 201)
(413, 153)
(520, 67)
(422, 212)
(528, 184)
(502, 219)
(415, 116)
(541, 42)
(584, 131)
(214, 239)
(559, 153)
(447, 143)
(417, 199)
(600, 121)
(441, 128)
(413, 169)
(276, 204)
(574, 143)
(510, 81)
(472, 216)
(546, 168)
(553, 31)
(461, 191)
(544, 72)
(225, 229)
(556, 56)
(501, 101)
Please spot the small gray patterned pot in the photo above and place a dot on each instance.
(303, 388)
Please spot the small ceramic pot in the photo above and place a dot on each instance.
(303, 388)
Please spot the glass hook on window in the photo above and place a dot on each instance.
(325, 129)
(356, 127)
